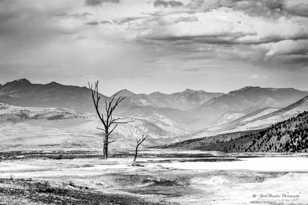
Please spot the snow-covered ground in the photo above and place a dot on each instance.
(247, 180)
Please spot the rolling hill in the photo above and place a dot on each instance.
(287, 136)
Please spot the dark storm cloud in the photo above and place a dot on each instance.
(99, 2)
(299, 61)
(164, 3)
(227, 38)
(270, 8)
(93, 23)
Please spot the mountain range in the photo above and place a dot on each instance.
(193, 107)
(165, 117)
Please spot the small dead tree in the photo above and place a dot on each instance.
(139, 141)
(105, 109)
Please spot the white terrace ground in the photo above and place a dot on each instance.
(270, 179)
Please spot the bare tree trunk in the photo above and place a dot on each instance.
(136, 154)
(139, 142)
(105, 148)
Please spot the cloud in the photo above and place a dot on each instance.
(93, 23)
(225, 25)
(287, 47)
(297, 7)
(34, 21)
(196, 31)
(243, 30)
(163, 3)
(99, 2)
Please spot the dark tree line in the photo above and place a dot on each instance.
(288, 136)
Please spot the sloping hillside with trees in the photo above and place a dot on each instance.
(288, 136)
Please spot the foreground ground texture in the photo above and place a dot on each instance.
(162, 177)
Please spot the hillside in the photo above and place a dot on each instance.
(288, 136)
(209, 143)
(17, 114)
(265, 117)
(24, 93)
(236, 104)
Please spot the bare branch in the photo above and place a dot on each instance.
(119, 120)
(141, 140)
(111, 131)
(103, 129)
(111, 141)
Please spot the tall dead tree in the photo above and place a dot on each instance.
(105, 109)
(139, 141)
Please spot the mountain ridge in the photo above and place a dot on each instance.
(196, 109)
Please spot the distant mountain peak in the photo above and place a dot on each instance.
(19, 82)
(53, 83)
(188, 90)
(247, 88)
(22, 81)
(191, 91)
(125, 93)
(157, 93)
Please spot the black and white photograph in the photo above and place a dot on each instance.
(153, 102)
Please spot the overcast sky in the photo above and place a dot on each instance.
(148, 45)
